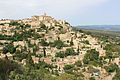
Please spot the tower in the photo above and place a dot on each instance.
(45, 14)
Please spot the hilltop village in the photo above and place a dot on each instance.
(56, 43)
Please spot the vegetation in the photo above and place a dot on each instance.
(9, 48)
(19, 56)
(92, 78)
(60, 54)
(112, 48)
(14, 23)
(78, 63)
(41, 56)
(6, 66)
(44, 43)
(91, 57)
(69, 68)
(58, 44)
(71, 42)
(86, 42)
(70, 51)
(117, 75)
(111, 68)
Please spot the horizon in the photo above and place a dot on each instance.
(76, 12)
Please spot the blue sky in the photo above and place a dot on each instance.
(77, 12)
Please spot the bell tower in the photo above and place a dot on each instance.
(45, 14)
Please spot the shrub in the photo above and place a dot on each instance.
(69, 52)
(20, 55)
(117, 76)
(5, 50)
(58, 44)
(9, 48)
(111, 68)
(86, 42)
(43, 26)
(92, 56)
(44, 43)
(78, 63)
(60, 54)
(92, 78)
(67, 67)
(14, 23)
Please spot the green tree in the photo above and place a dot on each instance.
(71, 42)
(60, 54)
(5, 50)
(92, 78)
(78, 63)
(58, 44)
(44, 51)
(66, 76)
(68, 68)
(117, 75)
(43, 26)
(69, 52)
(9, 48)
(44, 43)
(91, 57)
(20, 55)
(111, 68)
(6, 66)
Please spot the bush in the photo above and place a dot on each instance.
(91, 56)
(20, 55)
(14, 23)
(6, 66)
(111, 68)
(44, 43)
(69, 52)
(60, 54)
(66, 76)
(92, 78)
(68, 67)
(117, 75)
(9, 48)
(71, 42)
(5, 50)
(58, 44)
(43, 26)
(78, 63)
(86, 42)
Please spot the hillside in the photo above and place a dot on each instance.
(102, 27)
(43, 48)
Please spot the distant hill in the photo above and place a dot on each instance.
(102, 27)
